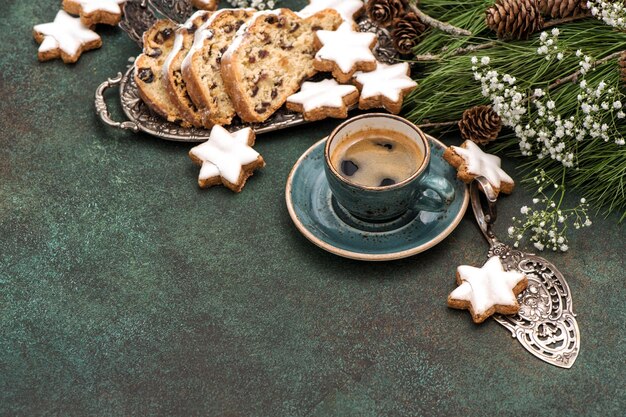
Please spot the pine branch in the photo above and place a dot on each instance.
(556, 22)
(438, 24)
(574, 76)
(457, 52)
(438, 124)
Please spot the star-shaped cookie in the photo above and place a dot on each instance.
(344, 52)
(66, 38)
(326, 98)
(210, 5)
(348, 9)
(92, 12)
(385, 87)
(472, 162)
(487, 290)
(227, 158)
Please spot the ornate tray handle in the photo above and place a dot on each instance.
(103, 110)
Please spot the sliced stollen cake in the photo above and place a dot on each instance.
(269, 59)
(201, 66)
(157, 44)
(172, 72)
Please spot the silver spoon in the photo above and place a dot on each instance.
(546, 324)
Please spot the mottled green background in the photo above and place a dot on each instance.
(126, 290)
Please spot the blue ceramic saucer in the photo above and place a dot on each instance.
(311, 208)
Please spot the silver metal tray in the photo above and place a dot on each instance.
(139, 15)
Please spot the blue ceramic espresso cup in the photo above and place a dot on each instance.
(421, 190)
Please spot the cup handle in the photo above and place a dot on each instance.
(441, 187)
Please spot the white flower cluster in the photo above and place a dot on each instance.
(613, 13)
(546, 133)
(507, 102)
(256, 4)
(545, 221)
(596, 103)
(548, 45)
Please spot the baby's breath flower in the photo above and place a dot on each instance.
(546, 225)
(612, 13)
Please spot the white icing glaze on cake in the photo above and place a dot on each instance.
(482, 163)
(345, 48)
(178, 44)
(240, 35)
(488, 286)
(110, 6)
(201, 35)
(325, 93)
(225, 154)
(385, 80)
(178, 41)
(66, 33)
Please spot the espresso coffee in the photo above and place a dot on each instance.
(377, 157)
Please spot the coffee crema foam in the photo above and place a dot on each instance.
(377, 157)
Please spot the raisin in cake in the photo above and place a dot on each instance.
(172, 71)
(201, 66)
(269, 59)
(157, 43)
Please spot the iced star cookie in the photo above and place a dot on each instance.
(92, 12)
(487, 290)
(227, 158)
(327, 98)
(348, 9)
(344, 52)
(66, 38)
(471, 162)
(385, 87)
(210, 5)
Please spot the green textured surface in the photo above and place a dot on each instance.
(126, 290)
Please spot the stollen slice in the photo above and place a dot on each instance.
(148, 75)
(201, 67)
(175, 85)
(270, 57)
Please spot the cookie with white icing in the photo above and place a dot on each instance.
(210, 5)
(227, 158)
(326, 98)
(345, 52)
(471, 162)
(92, 12)
(487, 290)
(348, 9)
(66, 38)
(385, 87)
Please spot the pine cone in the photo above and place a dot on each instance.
(407, 32)
(514, 19)
(383, 12)
(480, 124)
(558, 9)
(622, 67)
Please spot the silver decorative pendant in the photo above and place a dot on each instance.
(546, 324)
